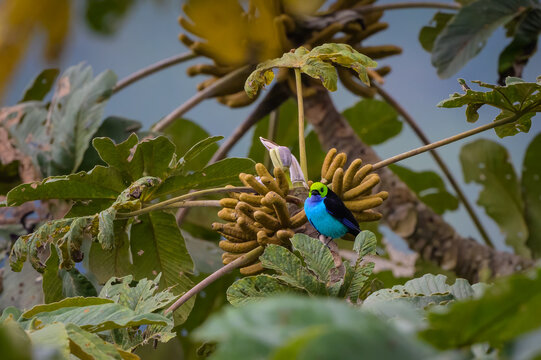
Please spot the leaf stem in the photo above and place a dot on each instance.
(300, 105)
(446, 141)
(207, 92)
(237, 263)
(407, 5)
(151, 69)
(180, 199)
(176, 205)
(421, 135)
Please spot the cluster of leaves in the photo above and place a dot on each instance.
(454, 39)
(136, 174)
(126, 314)
(309, 274)
(416, 320)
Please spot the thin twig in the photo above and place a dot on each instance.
(300, 105)
(391, 101)
(276, 96)
(446, 141)
(237, 263)
(200, 96)
(151, 69)
(406, 5)
(178, 199)
(176, 205)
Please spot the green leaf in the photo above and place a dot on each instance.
(99, 183)
(517, 98)
(76, 284)
(157, 246)
(422, 292)
(256, 288)
(184, 134)
(374, 121)
(465, 35)
(87, 345)
(290, 269)
(65, 303)
(487, 163)
(315, 254)
(106, 18)
(317, 63)
(116, 128)
(429, 187)
(41, 85)
(15, 343)
(428, 34)
(507, 309)
(531, 195)
(261, 329)
(524, 45)
(54, 338)
(356, 276)
(153, 157)
(220, 173)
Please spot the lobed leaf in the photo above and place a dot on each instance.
(487, 163)
(256, 288)
(315, 254)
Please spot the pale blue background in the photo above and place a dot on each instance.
(149, 33)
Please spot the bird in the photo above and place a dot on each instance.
(328, 214)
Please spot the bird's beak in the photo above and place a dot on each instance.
(315, 192)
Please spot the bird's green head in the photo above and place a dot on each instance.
(318, 188)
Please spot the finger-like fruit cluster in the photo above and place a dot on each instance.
(271, 215)
(268, 216)
(279, 28)
(354, 185)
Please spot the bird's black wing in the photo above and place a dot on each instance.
(336, 207)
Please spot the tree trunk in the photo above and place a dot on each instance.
(425, 231)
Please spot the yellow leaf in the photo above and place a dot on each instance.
(20, 21)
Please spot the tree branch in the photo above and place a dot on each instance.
(407, 5)
(390, 100)
(151, 69)
(209, 91)
(425, 231)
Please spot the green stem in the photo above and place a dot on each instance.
(176, 205)
(446, 141)
(179, 199)
(302, 146)
(235, 264)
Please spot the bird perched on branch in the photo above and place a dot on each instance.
(328, 214)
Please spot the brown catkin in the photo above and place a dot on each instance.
(327, 162)
(243, 247)
(251, 181)
(298, 219)
(272, 185)
(338, 162)
(252, 199)
(361, 174)
(350, 173)
(281, 179)
(363, 204)
(367, 216)
(228, 214)
(268, 221)
(228, 203)
(337, 181)
(252, 269)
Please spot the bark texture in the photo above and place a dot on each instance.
(425, 231)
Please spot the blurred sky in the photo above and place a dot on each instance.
(149, 33)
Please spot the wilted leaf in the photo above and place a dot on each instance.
(531, 195)
(157, 246)
(256, 288)
(516, 98)
(317, 63)
(58, 135)
(465, 35)
(487, 163)
(428, 34)
(429, 187)
(374, 121)
(507, 309)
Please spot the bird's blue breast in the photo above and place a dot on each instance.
(325, 223)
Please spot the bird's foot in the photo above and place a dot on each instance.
(325, 240)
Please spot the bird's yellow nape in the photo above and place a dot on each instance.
(320, 188)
